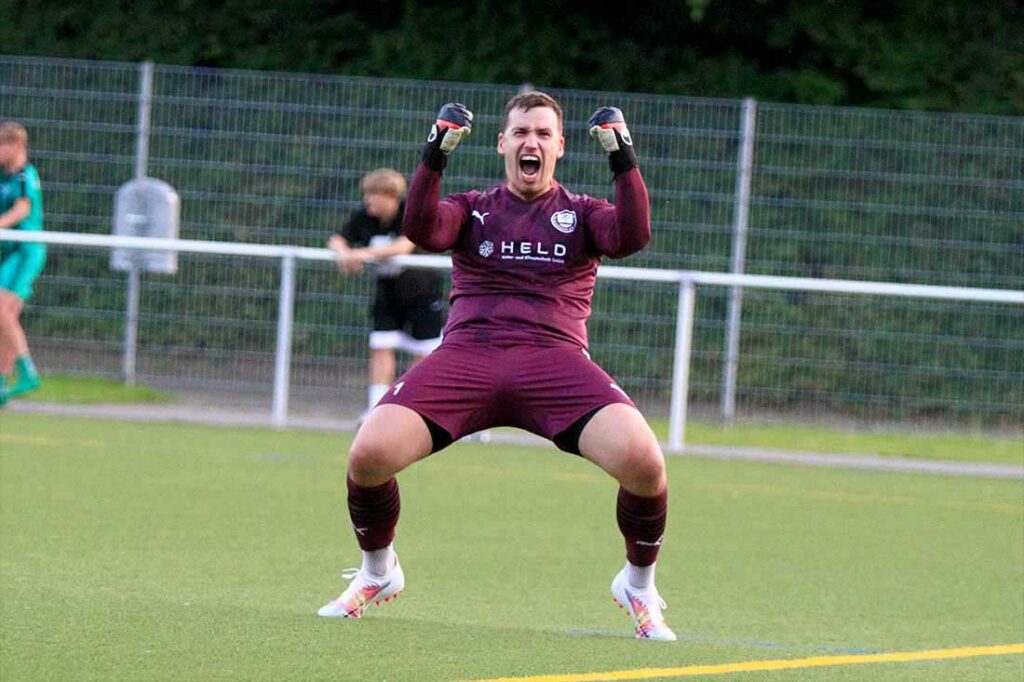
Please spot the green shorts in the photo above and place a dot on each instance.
(19, 270)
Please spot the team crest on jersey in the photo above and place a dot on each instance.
(564, 221)
(486, 248)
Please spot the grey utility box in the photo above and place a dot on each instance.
(146, 207)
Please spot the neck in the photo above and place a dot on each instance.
(531, 195)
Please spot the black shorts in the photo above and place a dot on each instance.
(418, 315)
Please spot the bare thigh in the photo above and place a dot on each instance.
(10, 305)
(392, 438)
(619, 440)
(10, 310)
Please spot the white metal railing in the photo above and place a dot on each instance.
(687, 280)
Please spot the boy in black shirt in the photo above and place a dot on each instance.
(407, 307)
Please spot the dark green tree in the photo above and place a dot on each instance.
(952, 55)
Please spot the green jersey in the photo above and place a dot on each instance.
(21, 262)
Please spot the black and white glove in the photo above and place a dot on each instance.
(608, 126)
(454, 122)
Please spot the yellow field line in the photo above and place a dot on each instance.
(778, 664)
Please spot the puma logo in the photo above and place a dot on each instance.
(480, 216)
(656, 543)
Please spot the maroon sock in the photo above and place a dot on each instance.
(642, 522)
(374, 513)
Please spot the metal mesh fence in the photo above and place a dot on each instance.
(906, 197)
(873, 359)
(276, 158)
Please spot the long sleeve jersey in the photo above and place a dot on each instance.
(524, 271)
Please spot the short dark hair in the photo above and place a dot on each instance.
(530, 99)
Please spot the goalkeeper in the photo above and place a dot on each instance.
(21, 208)
(524, 261)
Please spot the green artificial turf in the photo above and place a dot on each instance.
(1007, 448)
(963, 446)
(135, 551)
(85, 390)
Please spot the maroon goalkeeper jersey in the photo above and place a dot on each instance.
(524, 272)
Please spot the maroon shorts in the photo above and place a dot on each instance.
(466, 388)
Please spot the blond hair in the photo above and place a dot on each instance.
(383, 181)
(12, 131)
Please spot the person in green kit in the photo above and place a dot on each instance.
(21, 208)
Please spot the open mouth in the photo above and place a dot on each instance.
(529, 165)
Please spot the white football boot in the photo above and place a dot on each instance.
(645, 608)
(365, 590)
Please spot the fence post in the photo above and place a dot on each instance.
(681, 366)
(131, 320)
(745, 164)
(283, 356)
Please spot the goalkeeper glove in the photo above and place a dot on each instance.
(609, 127)
(453, 123)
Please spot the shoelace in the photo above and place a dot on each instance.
(351, 574)
(661, 603)
(661, 600)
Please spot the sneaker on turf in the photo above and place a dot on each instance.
(364, 591)
(645, 608)
(26, 383)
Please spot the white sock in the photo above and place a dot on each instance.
(640, 577)
(375, 393)
(379, 561)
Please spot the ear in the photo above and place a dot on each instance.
(501, 144)
(561, 147)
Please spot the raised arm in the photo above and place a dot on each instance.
(429, 222)
(625, 228)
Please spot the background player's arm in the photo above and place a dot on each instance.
(26, 262)
(429, 222)
(337, 244)
(347, 264)
(16, 213)
(399, 246)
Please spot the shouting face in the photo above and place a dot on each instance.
(531, 143)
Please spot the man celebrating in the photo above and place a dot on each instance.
(524, 261)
